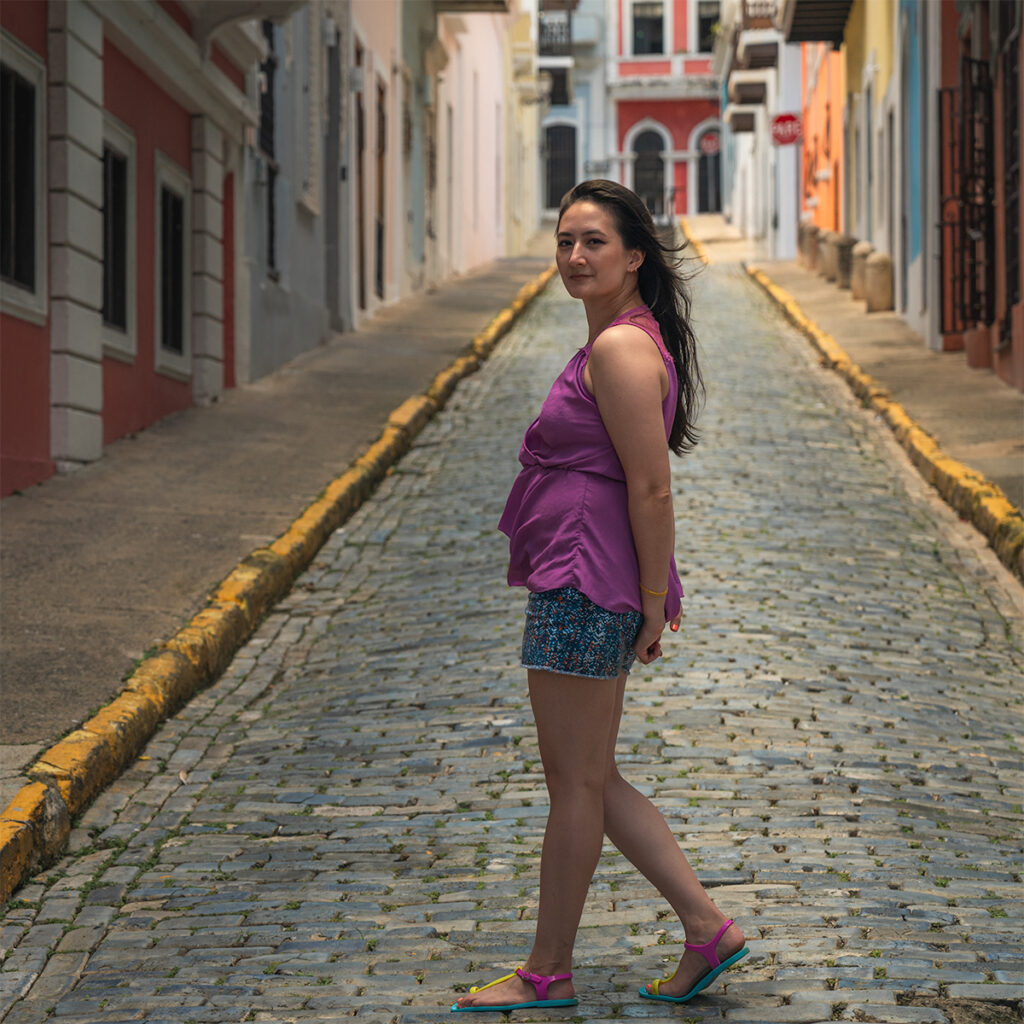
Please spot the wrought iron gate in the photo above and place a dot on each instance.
(967, 198)
(1011, 178)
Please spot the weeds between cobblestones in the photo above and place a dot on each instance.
(347, 824)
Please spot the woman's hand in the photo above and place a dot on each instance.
(648, 641)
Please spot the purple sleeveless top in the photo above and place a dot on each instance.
(567, 516)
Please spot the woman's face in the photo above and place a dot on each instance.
(591, 257)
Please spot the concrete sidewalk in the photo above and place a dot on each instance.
(102, 565)
(972, 414)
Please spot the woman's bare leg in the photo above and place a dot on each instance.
(574, 725)
(642, 835)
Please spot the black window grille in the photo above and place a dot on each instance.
(707, 18)
(17, 178)
(267, 143)
(967, 193)
(648, 26)
(382, 160)
(555, 33)
(649, 171)
(560, 95)
(115, 239)
(1011, 171)
(172, 271)
(560, 145)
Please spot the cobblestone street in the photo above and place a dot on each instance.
(348, 823)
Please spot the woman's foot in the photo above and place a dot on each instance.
(693, 966)
(515, 990)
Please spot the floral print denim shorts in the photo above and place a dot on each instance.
(567, 633)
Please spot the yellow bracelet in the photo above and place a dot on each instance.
(654, 593)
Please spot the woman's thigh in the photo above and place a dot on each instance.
(577, 720)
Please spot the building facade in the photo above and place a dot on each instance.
(118, 292)
(924, 177)
(664, 103)
(204, 190)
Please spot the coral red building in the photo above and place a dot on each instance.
(664, 103)
(124, 125)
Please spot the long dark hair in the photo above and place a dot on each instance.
(662, 287)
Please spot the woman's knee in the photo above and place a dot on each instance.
(575, 781)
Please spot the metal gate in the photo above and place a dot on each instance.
(967, 199)
(1011, 178)
(649, 172)
(561, 162)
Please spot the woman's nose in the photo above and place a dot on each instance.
(577, 254)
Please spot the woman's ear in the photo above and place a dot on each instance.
(634, 260)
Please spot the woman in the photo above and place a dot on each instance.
(591, 534)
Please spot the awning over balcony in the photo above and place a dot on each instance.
(814, 21)
(746, 87)
(740, 117)
(758, 48)
(208, 16)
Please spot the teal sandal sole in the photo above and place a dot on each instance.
(702, 982)
(537, 1004)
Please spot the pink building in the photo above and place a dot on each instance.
(664, 102)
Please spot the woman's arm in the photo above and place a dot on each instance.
(628, 379)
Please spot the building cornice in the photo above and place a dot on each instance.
(689, 87)
(172, 59)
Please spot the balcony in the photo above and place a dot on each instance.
(748, 87)
(814, 21)
(757, 45)
(740, 117)
(759, 14)
(555, 35)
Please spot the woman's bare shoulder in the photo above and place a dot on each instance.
(625, 342)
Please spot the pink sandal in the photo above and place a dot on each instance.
(540, 983)
(708, 950)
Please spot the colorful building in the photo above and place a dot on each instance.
(761, 79)
(663, 103)
(927, 172)
(118, 288)
(205, 190)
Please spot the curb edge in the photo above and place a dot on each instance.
(36, 825)
(691, 239)
(969, 493)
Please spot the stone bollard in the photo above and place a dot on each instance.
(844, 260)
(827, 267)
(878, 282)
(813, 246)
(861, 252)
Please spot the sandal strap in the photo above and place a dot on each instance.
(709, 950)
(540, 982)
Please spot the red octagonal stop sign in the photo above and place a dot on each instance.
(786, 129)
(709, 143)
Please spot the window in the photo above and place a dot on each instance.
(22, 183)
(560, 96)
(118, 240)
(648, 26)
(266, 132)
(707, 19)
(173, 350)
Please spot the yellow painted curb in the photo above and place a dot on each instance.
(971, 494)
(34, 828)
(693, 241)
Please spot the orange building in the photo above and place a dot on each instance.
(822, 76)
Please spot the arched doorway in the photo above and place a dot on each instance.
(560, 147)
(649, 171)
(709, 174)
